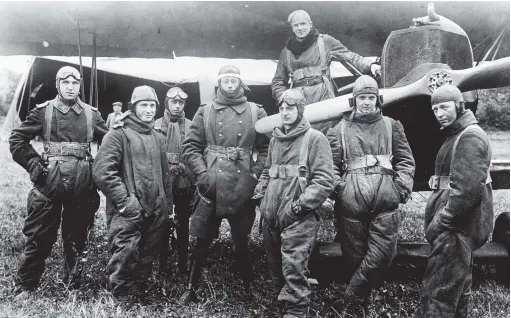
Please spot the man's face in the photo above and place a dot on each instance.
(288, 113)
(69, 88)
(146, 110)
(366, 103)
(117, 109)
(229, 85)
(445, 113)
(176, 106)
(301, 28)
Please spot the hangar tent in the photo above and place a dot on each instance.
(118, 76)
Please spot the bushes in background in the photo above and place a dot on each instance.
(493, 108)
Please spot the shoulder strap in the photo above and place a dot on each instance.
(457, 141)
(205, 116)
(344, 145)
(90, 124)
(48, 114)
(288, 60)
(388, 125)
(304, 149)
(322, 54)
(303, 161)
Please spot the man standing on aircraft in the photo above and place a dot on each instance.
(131, 170)
(374, 170)
(219, 151)
(174, 127)
(62, 177)
(459, 212)
(298, 177)
(113, 118)
(305, 63)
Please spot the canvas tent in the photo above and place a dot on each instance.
(117, 77)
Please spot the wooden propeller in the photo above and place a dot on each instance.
(488, 75)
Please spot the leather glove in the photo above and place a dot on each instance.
(177, 169)
(37, 170)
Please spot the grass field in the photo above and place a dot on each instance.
(220, 291)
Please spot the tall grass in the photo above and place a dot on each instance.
(220, 291)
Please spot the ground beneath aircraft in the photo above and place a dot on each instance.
(220, 291)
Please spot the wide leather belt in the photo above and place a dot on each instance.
(231, 153)
(444, 182)
(63, 149)
(368, 161)
(172, 157)
(308, 81)
(287, 171)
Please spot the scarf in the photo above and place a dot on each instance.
(138, 125)
(239, 96)
(174, 126)
(297, 47)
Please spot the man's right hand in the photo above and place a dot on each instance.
(37, 170)
(203, 185)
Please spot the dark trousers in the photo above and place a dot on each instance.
(134, 242)
(447, 282)
(241, 224)
(369, 246)
(183, 207)
(287, 252)
(75, 209)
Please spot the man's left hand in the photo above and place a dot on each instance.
(376, 70)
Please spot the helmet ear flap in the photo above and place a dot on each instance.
(379, 101)
(352, 103)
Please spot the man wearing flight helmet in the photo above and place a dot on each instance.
(219, 151)
(62, 176)
(298, 177)
(174, 127)
(131, 170)
(374, 170)
(459, 212)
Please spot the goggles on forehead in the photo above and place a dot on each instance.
(175, 93)
(68, 73)
(290, 101)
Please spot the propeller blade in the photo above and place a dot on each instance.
(488, 75)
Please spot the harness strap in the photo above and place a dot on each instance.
(90, 126)
(207, 111)
(48, 113)
(444, 182)
(303, 169)
(48, 116)
(352, 163)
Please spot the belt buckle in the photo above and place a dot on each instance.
(302, 171)
(372, 163)
(298, 75)
(433, 182)
(232, 153)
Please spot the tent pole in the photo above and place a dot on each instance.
(30, 87)
(91, 93)
(82, 84)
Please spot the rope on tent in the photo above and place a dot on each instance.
(82, 84)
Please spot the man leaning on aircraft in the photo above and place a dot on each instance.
(304, 63)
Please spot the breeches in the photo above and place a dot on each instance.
(445, 290)
(288, 252)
